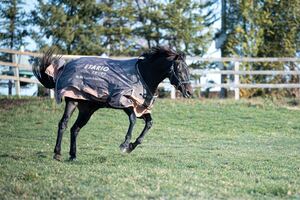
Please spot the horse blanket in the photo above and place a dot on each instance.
(114, 82)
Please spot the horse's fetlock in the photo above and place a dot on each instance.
(138, 141)
(73, 158)
(124, 145)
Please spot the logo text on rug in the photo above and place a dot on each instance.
(99, 70)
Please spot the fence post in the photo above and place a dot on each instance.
(51, 93)
(173, 93)
(236, 81)
(17, 60)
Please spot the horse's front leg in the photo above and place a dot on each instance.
(125, 146)
(148, 124)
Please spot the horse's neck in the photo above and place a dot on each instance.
(153, 73)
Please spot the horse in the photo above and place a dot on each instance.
(149, 70)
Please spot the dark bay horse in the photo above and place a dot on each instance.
(152, 68)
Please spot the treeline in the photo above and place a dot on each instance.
(262, 28)
(114, 27)
(254, 28)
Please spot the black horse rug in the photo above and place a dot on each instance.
(115, 82)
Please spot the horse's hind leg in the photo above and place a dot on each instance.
(62, 125)
(124, 147)
(148, 124)
(86, 109)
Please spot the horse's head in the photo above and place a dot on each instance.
(179, 75)
(165, 63)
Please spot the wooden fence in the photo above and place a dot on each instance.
(236, 72)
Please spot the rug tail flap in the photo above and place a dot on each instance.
(50, 70)
(53, 69)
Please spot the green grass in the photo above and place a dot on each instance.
(195, 150)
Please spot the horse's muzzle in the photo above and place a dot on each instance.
(186, 90)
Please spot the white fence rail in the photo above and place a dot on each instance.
(236, 85)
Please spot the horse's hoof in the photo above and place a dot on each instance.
(123, 149)
(72, 159)
(126, 149)
(57, 157)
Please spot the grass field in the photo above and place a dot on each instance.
(195, 150)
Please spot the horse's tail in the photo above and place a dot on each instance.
(39, 68)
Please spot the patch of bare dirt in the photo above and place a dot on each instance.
(7, 103)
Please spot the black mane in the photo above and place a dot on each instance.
(162, 51)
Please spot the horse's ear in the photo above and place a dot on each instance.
(180, 56)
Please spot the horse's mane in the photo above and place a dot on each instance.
(161, 51)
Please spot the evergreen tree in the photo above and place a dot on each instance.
(122, 27)
(183, 24)
(117, 21)
(262, 28)
(85, 26)
(188, 24)
(152, 21)
(12, 26)
(281, 25)
(72, 26)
